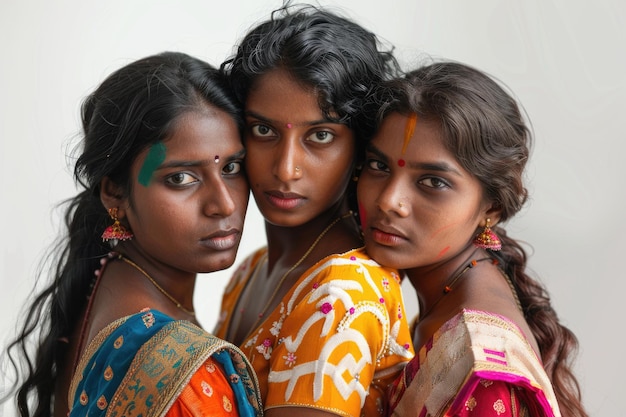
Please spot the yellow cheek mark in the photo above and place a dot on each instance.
(409, 130)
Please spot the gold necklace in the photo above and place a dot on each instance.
(290, 270)
(158, 287)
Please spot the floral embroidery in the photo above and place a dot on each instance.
(290, 359)
(315, 285)
(207, 389)
(486, 383)
(228, 406)
(83, 398)
(210, 367)
(326, 308)
(148, 319)
(382, 300)
(353, 258)
(102, 403)
(108, 373)
(252, 341)
(118, 342)
(276, 326)
(265, 349)
(498, 407)
(399, 311)
(234, 378)
(385, 284)
(352, 310)
(470, 404)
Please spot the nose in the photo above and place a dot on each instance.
(286, 167)
(392, 199)
(220, 201)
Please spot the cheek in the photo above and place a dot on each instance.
(362, 215)
(443, 252)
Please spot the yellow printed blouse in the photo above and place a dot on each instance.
(335, 342)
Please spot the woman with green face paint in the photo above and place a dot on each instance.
(163, 198)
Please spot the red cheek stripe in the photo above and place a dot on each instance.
(443, 251)
(362, 215)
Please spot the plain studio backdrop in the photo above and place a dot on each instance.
(565, 60)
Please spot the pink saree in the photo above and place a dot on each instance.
(477, 364)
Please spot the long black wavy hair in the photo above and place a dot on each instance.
(484, 127)
(135, 107)
(341, 60)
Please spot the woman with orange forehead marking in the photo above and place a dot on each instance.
(442, 174)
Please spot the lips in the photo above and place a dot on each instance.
(222, 240)
(284, 201)
(386, 235)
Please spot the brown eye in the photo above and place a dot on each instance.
(434, 182)
(322, 136)
(180, 178)
(262, 131)
(232, 168)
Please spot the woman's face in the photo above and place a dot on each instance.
(418, 205)
(190, 194)
(298, 163)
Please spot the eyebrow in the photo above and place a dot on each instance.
(277, 122)
(175, 163)
(428, 166)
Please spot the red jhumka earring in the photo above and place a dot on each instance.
(487, 239)
(116, 231)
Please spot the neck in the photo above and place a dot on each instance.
(287, 244)
(178, 285)
(430, 280)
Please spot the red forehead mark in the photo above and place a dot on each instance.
(289, 125)
(217, 159)
(408, 130)
(401, 162)
(443, 251)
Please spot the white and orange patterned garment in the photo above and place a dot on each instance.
(477, 364)
(336, 340)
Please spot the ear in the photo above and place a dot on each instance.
(493, 213)
(112, 195)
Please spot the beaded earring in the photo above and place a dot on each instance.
(116, 231)
(487, 239)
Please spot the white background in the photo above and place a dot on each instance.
(565, 60)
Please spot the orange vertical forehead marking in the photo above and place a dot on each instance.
(408, 131)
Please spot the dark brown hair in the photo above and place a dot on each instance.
(483, 125)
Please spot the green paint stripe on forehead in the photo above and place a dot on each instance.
(155, 157)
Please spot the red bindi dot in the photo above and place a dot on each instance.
(289, 125)
(401, 162)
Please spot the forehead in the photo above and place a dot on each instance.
(408, 135)
(197, 131)
(278, 95)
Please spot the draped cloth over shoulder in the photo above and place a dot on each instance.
(141, 364)
(476, 364)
